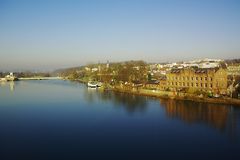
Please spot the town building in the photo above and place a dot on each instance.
(152, 84)
(211, 79)
(233, 69)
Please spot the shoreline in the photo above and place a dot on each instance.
(39, 78)
(170, 95)
(155, 93)
(29, 78)
(185, 97)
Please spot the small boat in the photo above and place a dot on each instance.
(92, 84)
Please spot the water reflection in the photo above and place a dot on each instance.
(221, 117)
(131, 103)
(224, 118)
(11, 85)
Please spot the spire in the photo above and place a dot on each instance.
(107, 64)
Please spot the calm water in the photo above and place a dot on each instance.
(65, 120)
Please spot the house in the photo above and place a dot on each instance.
(152, 84)
(210, 79)
(163, 83)
(10, 77)
(233, 69)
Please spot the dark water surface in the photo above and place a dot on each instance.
(65, 120)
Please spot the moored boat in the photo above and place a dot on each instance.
(93, 84)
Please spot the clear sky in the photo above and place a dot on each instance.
(55, 33)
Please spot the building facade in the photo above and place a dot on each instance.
(212, 79)
(233, 69)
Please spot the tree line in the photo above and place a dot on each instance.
(121, 71)
(26, 74)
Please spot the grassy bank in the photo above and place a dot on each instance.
(178, 96)
(39, 78)
(166, 94)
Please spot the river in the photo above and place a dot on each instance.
(56, 119)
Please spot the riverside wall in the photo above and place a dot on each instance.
(178, 96)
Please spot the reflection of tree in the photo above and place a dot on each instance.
(217, 116)
(221, 117)
(131, 103)
(90, 94)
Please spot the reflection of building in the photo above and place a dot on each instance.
(12, 86)
(214, 115)
(212, 79)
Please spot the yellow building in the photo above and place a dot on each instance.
(233, 69)
(213, 79)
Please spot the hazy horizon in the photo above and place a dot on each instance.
(47, 35)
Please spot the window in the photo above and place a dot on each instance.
(201, 78)
(188, 84)
(201, 85)
(192, 78)
(211, 85)
(192, 84)
(205, 85)
(205, 78)
(196, 84)
(183, 84)
(197, 78)
(210, 78)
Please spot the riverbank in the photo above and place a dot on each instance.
(168, 94)
(178, 96)
(39, 78)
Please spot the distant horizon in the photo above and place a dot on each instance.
(48, 35)
(104, 62)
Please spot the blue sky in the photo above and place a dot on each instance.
(42, 35)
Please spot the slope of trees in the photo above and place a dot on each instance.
(27, 74)
(122, 71)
